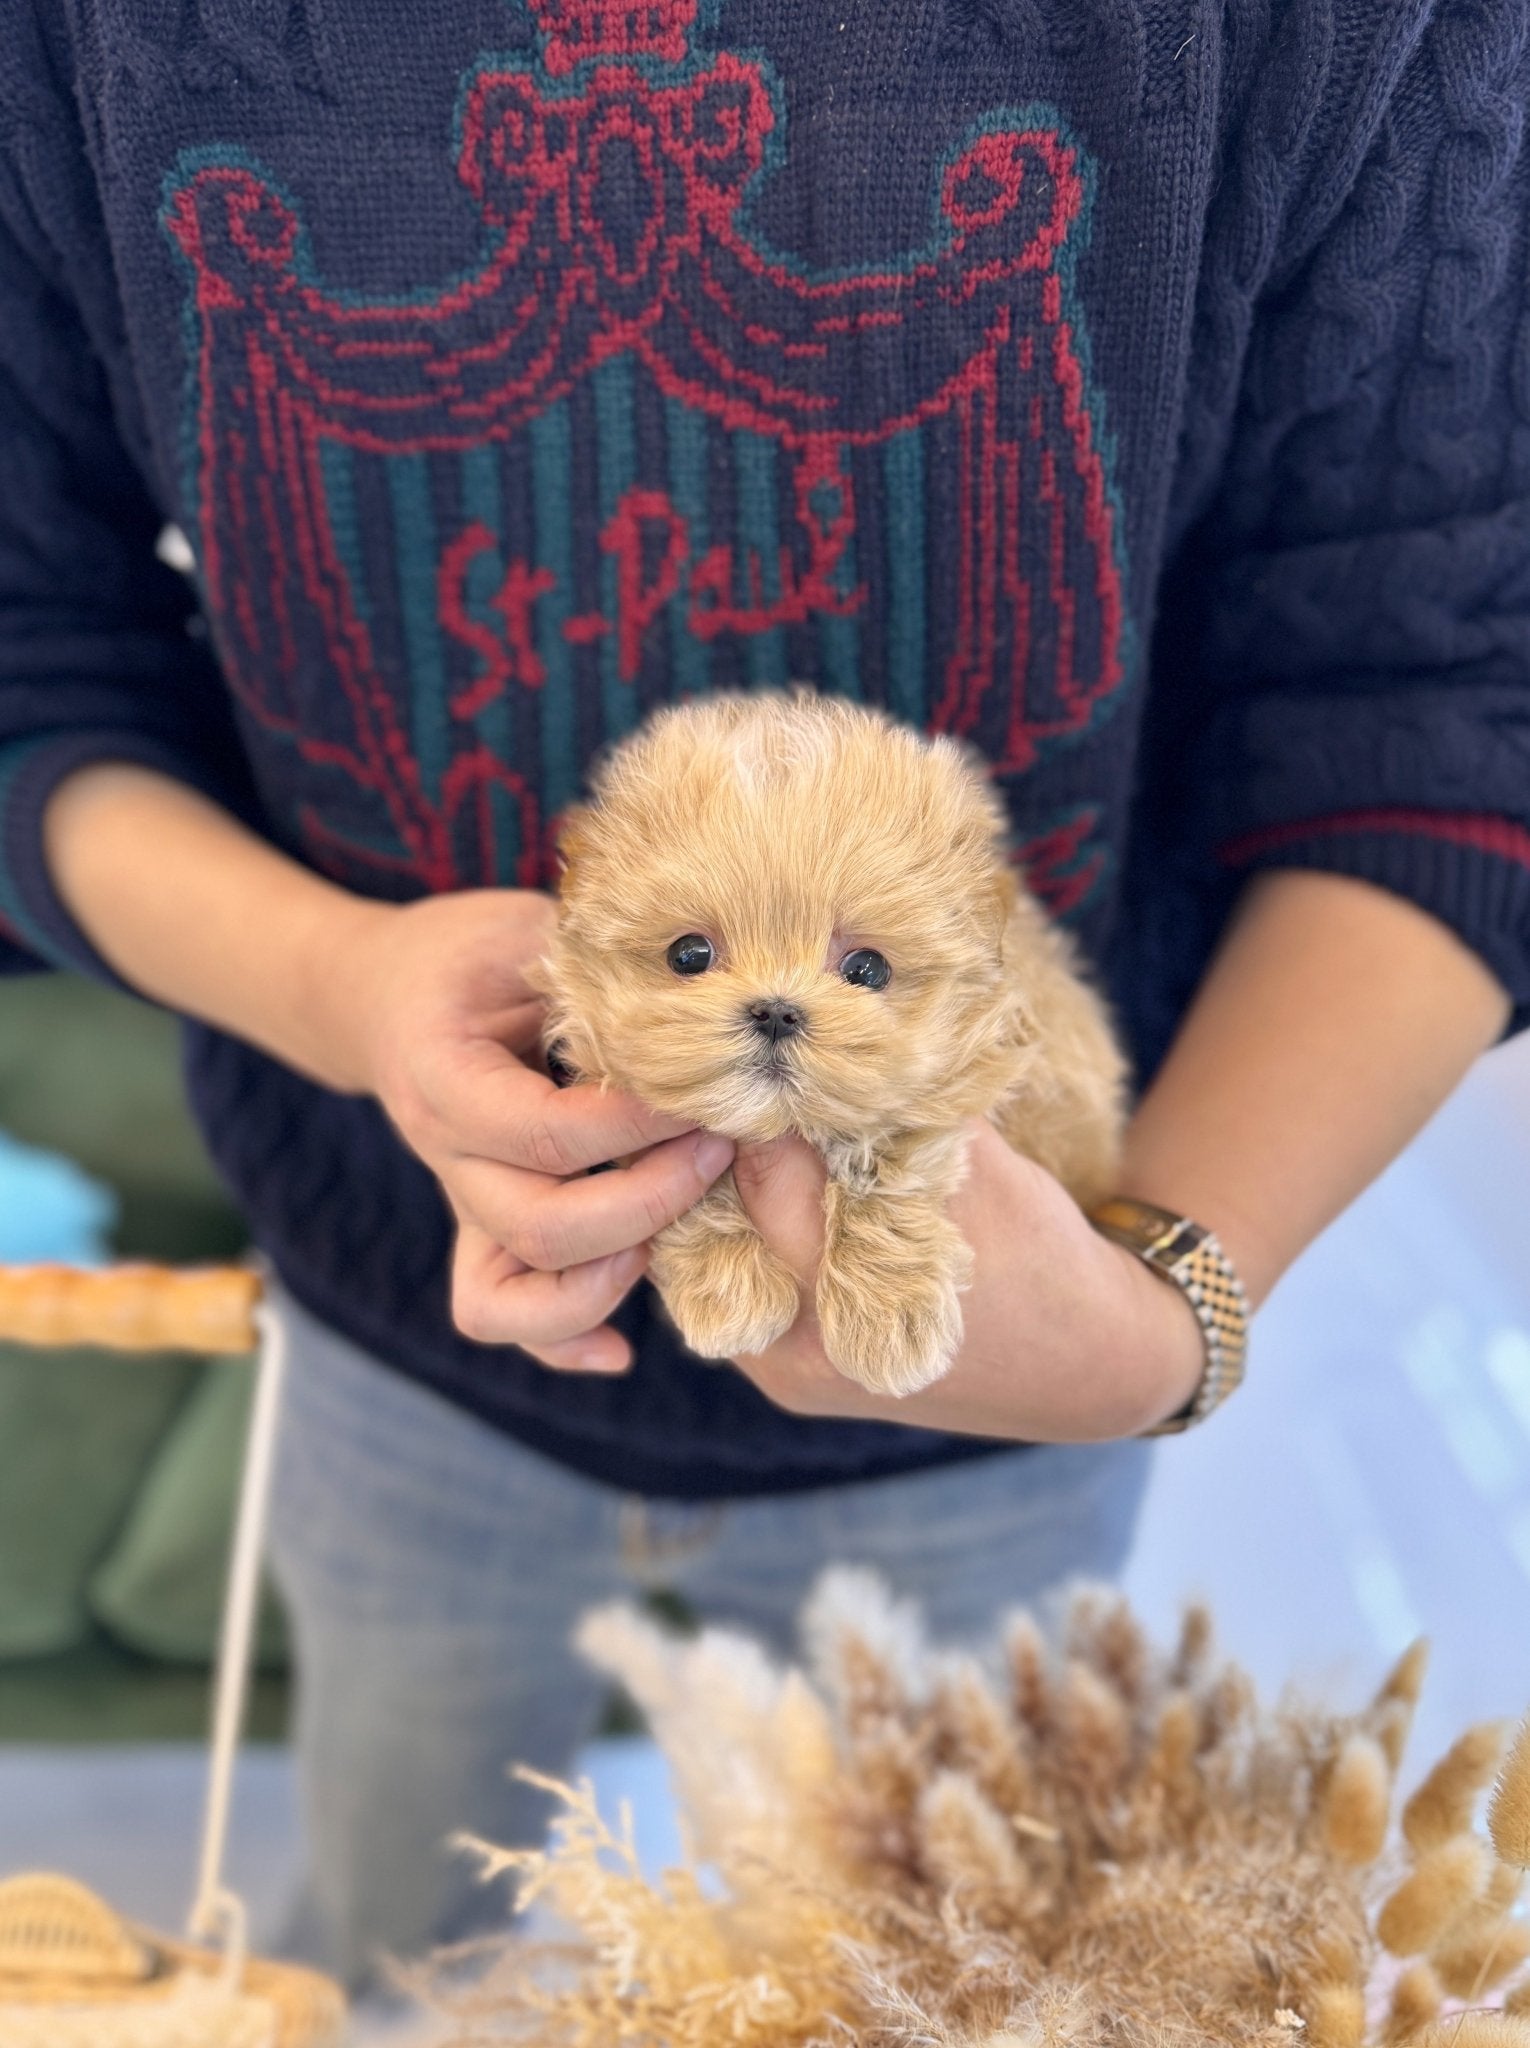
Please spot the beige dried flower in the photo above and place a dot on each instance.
(1357, 1801)
(1192, 1654)
(1509, 1808)
(1476, 2030)
(1104, 1844)
(1336, 2017)
(973, 1731)
(1480, 1961)
(1440, 1888)
(1405, 1680)
(1442, 1806)
(1391, 1714)
(1091, 1740)
(1169, 1776)
(1502, 1890)
(969, 1852)
(1030, 1672)
(1103, 1632)
(1416, 1998)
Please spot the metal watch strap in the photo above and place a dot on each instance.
(1193, 1260)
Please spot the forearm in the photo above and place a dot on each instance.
(201, 915)
(1334, 1021)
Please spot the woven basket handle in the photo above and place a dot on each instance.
(131, 1308)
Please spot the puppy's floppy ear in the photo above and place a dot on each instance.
(573, 834)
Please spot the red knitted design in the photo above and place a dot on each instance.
(574, 30)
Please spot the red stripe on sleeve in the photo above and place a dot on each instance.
(1500, 836)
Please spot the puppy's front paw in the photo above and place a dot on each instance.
(893, 1345)
(727, 1293)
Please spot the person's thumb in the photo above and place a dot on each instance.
(781, 1185)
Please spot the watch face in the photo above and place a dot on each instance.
(1147, 1230)
(1190, 1258)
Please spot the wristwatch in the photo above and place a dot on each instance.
(1190, 1257)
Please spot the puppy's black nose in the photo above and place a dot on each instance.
(775, 1019)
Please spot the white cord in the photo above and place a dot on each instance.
(216, 1912)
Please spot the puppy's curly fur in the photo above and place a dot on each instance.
(790, 832)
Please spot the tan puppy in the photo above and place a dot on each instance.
(792, 914)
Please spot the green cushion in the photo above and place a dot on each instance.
(160, 1591)
(95, 1075)
(77, 1432)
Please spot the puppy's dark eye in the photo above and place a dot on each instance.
(690, 955)
(865, 968)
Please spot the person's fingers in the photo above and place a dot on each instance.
(558, 1317)
(603, 1350)
(781, 1187)
(494, 1106)
(554, 1224)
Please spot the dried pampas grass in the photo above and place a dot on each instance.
(1080, 1842)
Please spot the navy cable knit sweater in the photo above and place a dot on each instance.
(1140, 388)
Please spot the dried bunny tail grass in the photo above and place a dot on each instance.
(1335, 2016)
(1476, 2030)
(1405, 1680)
(1091, 1744)
(626, 1644)
(969, 1851)
(1341, 1957)
(1390, 1717)
(718, 1688)
(1502, 1890)
(1102, 1631)
(1030, 1673)
(973, 1731)
(1509, 1808)
(1228, 1706)
(1440, 1888)
(1443, 1804)
(1356, 1801)
(871, 1810)
(1485, 1946)
(1192, 1653)
(1391, 1725)
(866, 1650)
(1170, 1780)
(1517, 2003)
(1416, 1999)
(1483, 1959)
(739, 1733)
(1279, 1779)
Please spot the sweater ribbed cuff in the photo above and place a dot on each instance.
(36, 928)
(1469, 870)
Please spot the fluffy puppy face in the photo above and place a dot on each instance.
(787, 914)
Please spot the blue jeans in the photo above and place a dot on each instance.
(433, 1570)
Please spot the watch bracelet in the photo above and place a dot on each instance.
(1190, 1258)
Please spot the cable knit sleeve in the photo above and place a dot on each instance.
(1363, 591)
(97, 655)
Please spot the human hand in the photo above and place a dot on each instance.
(432, 1011)
(1067, 1338)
